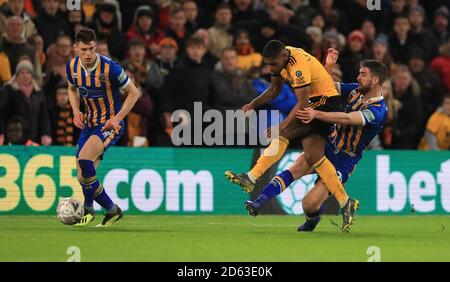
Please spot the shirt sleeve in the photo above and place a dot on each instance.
(374, 115)
(346, 88)
(118, 76)
(69, 73)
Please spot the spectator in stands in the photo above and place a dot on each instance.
(15, 46)
(76, 20)
(49, 24)
(164, 8)
(191, 13)
(334, 17)
(315, 38)
(268, 30)
(37, 42)
(137, 119)
(278, 12)
(303, 13)
(441, 27)
(219, 37)
(425, 36)
(102, 49)
(398, 7)
(246, 55)
(144, 28)
(5, 70)
(393, 106)
(58, 55)
(146, 72)
(62, 118)
(437, 133)
(352, 56)
(105, 22)
(17, 132)
(369, 30)
(17, 8)
(380, 50)
(441, 65)
(407, 130)
(209, 59)
(167, 57)
(401, 40)
(230, 88)
(430, 86)
(177, 29)
(188, 82)
(26, 99)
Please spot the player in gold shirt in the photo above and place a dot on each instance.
(314, 88)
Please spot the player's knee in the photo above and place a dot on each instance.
(313, 157)
(87, 168)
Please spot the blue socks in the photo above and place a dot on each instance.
(278, 184)
(92, 188)
(314, 215)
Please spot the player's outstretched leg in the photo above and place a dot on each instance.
(348, 214)
(270, 156)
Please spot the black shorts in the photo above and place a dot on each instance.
(324, 104)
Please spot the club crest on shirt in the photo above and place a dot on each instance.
(102, 77)
(83, 91)
(298, 73)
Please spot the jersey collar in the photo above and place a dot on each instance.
(90, 70)
(374, 100)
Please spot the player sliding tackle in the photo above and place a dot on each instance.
(98, 81)
(364, 118)
(314, 88)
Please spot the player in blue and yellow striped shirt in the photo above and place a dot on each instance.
(98, 82)
(364, 117)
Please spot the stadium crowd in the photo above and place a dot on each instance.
(179, 52)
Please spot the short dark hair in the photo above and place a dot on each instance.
(85, 35)
(221, 6)
(273, 48)
(135, 42)
(195, 40)
(376, 68)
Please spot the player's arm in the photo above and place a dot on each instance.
(132, 94)
(352, 118)
(271, 93)
(74, 100)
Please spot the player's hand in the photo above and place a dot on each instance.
(78, 119)
(111, 124)
(248, 107)
(332, 57)
(306, 115)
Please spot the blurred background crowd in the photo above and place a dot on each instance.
(180, 52)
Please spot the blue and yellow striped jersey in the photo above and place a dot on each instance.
(354, 139)
(99, 88)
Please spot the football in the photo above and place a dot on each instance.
(70, 211)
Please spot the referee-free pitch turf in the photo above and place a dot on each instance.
(226, 238)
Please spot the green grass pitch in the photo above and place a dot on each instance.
(226, 238)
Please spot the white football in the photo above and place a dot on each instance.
(70, 211)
